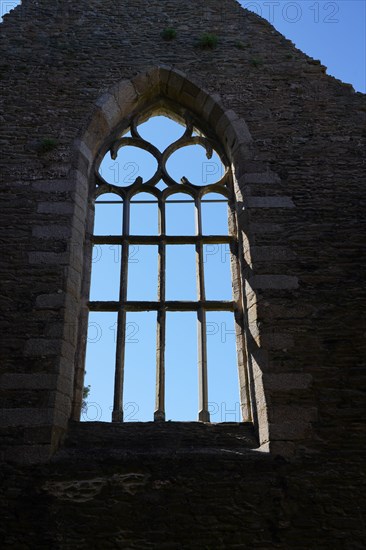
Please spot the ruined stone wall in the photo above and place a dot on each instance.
(303, 222)
(169, 487)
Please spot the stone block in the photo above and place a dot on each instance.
(42, 347)
(110, 108)
(125, 96)
(52, 232)
(175, 84)
(289, 430)
(269, 202)
(211, 102)
(226, 119)
(164, 72)
(48, 258)
(50, 301)
(237, 134)
(287, 381)
(83, 148)
(265, 227)
(276, 341)
(264, 177)
(35, 381)
(97, 132)
(25, 417)
(276, 282)
(272, 254)
(56, 207)
(54, 186)
(282, 414)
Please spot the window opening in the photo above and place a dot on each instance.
(108, 215)
(180, 215)
(105, 275)
(181, 272)
(181, 366)
(100, 364)
(217, 271)
(142, 281)
(214, 214)
(144, 215)
(139, 368)
(168, 252)
(223, 389)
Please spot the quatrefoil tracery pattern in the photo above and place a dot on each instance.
(162, 157)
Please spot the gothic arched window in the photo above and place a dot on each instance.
(165, 243)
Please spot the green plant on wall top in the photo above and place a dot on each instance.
(46, 145)
(169, 34)
(208, 41)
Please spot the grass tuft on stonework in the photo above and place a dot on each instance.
(169, 34)
(208, 41)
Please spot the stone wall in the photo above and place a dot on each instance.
(170, 487)
(296, 138)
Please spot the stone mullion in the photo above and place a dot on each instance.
(159, 413)
(203, 414)
(117, 415)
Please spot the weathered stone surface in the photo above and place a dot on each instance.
(296, 141)
(177, 486)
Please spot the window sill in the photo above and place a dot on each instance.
(103, 440)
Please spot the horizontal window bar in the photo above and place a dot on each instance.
(155, 202)
(207, 305)
(167, 239)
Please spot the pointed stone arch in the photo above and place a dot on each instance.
(279, 427)
(162, 86)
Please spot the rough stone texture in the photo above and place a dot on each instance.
(180, 486)
(72, 71)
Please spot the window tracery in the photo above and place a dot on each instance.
(163, 190)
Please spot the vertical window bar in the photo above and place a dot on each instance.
(159, 413)
(117, 414)
(203, 413)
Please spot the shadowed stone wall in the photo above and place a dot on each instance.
(296, 139)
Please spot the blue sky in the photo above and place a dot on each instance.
(334, 32)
